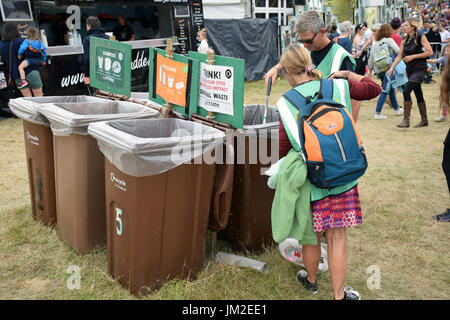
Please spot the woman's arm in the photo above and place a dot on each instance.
(393, 45)
(370, 61)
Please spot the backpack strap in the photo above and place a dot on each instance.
(295, 98)
(326, 88)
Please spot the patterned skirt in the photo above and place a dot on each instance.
(337, 211)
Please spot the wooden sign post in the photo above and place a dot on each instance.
(210, 60)
(169, 55)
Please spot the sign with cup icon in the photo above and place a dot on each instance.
(171, 80)
(110, 66)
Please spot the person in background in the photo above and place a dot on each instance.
(365, 43)
(445, 35)
(425, 26)
(203, 46)
(383, 36)
(59, 30)
(360, 60)
(123, 31)
(9, 50)
(434, 38)
(333, 210)
(344, 39)
(442, 61)
(445, 100)
(328, 32)
(414, 51)
(28, 50)
(93, 27)
(334, 33)
(396, 24)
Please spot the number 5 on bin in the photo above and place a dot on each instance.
(118, 219)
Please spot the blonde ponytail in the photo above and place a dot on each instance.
(296, 60)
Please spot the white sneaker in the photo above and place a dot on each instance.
(379, 116)
(350, 294)
(399, 112)
(440, 118)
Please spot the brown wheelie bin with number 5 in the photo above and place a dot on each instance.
(158, 194)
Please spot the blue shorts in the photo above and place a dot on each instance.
(33, 61)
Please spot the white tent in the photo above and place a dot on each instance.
(226, 9)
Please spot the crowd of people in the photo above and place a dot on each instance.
(425, 50)
(422, 38)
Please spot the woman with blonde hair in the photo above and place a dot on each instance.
(414, 50)
(336, 209)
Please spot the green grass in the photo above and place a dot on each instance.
(403, 187)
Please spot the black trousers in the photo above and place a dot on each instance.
(411, 86)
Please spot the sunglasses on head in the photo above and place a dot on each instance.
(309, 41)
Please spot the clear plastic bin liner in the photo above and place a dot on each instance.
(28, 108)
(140, 95)
(68, 118)
(254, 117)
(148, 147)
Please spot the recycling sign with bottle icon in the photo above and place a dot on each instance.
(110, 66)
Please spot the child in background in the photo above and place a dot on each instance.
(33, 52)
(441, 60)
(203, 47)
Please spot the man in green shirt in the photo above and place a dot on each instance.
(326, 55)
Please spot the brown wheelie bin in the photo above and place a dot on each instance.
(157, 198)
(249, 225)
(79, 167)
(39, 152)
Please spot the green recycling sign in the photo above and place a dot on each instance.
(110, 63)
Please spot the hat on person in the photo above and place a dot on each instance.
(395, 23)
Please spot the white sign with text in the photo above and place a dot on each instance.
(216, 88)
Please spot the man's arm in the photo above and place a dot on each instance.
(86, 60)
(347, 65)
(273, 72)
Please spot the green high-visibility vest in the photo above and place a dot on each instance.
(289, 117)
(333, 60)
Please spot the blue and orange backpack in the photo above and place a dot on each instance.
(329, 139)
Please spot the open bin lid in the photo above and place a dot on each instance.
(27, 108)
(68, 118)
(152, 146)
